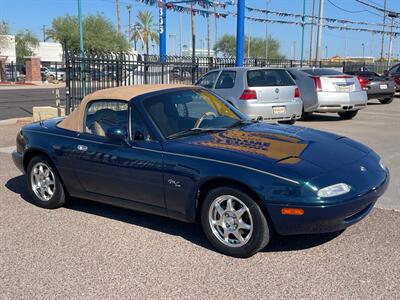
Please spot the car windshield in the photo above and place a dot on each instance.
(192, 111)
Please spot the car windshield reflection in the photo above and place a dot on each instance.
(192, 111)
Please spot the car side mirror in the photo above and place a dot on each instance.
(117, 134)
(386, 73)
(139, 136)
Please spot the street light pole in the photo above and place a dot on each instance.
(81, 49)
(363, 51)
(129, 8)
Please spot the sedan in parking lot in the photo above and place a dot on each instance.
(376, 86)
(328, 90)
(261, 93)
(185, 153)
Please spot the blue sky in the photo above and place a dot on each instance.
(33, 14)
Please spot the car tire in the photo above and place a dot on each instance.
(44, 183)
(386, 100)
(306, 115)
(289, 122)
(348, 115)
(223, 223)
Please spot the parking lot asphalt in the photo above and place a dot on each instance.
(90, 250)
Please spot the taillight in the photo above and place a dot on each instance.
(296, 92)
(317, 82)
(363, 82)
(248, 95)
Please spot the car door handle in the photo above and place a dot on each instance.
(82, 148)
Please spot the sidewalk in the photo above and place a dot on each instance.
(19, 86)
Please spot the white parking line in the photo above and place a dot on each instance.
(7, 150)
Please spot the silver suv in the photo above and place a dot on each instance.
(268, 93)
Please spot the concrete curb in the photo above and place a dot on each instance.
(16, 121)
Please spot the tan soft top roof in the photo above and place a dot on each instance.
(74, 121)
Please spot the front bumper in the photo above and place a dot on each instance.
(255, 109)
(18, 160)
(326, 218)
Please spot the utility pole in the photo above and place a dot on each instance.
(248, 46)
(180, 34)
(312, 32)
(392, 15)
(266, 33)
(208, 35)
(193, 33)
(319, 31)
(172, 36)
(383, 29)
(129, 8)
(372, 44)
(302, 32)
(44, 33)
(215, 27)
(118, 18)
(294, 50)
(345, 43)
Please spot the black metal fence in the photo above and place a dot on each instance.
(11, 72)
(98, 70)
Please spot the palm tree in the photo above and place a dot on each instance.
(146, 28)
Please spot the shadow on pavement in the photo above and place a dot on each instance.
(190, 232)
(321, 118)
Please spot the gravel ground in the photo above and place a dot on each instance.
(90, 250)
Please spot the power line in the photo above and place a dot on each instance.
(349, 11)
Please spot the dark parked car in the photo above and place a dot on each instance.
(394, 72)
(376, 86)
(183, 152)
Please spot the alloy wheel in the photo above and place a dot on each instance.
(43, 181)
(230, 220)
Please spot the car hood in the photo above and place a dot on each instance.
(302, 150)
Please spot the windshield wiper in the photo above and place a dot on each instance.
(241, 122)
(192, 131)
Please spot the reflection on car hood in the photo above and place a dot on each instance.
(284, 145)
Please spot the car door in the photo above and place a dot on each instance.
(130, 171)
(308, 92)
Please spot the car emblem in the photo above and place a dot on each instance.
(363, 169)
(174, 183)
(277, 90)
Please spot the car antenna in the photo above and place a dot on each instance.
(40, 120)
